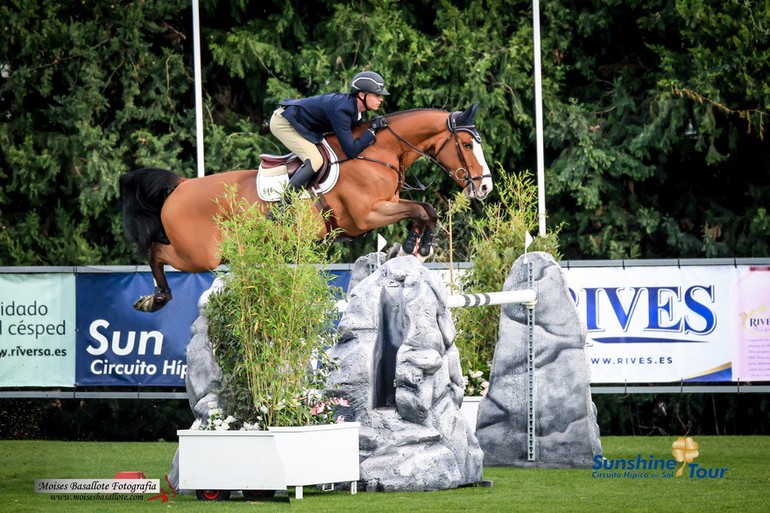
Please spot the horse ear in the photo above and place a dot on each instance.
(466, 117)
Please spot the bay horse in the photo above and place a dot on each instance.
(172, 218)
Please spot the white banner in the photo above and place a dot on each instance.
(37, 330)
(666, 324)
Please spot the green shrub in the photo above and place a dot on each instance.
(497, 241)
(275, 314)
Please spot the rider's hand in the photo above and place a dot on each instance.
(378, 123)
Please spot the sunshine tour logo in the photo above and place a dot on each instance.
(684, 451)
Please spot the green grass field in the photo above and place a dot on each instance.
(745, 487)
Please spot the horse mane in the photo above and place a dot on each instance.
(415, 110)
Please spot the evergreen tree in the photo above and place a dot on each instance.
(654, 110)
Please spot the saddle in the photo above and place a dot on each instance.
(275, 171)
(275, 165)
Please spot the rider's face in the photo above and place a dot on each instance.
(371, 101)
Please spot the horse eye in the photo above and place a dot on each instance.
(467, 146)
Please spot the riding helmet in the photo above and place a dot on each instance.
(370, 82)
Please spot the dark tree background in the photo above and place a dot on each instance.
(654, 111)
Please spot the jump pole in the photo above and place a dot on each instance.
(524, 297)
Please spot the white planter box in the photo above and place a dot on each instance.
(470, 410)
(229, 460)
(269, 460)
(319, 454)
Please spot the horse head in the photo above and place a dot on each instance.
(466, 163)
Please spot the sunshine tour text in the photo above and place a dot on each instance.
(645, 468)
(136, 343)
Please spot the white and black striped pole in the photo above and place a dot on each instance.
(525, 297)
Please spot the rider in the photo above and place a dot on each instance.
(300, 124)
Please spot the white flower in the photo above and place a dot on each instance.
(229, 419)
(196, 425)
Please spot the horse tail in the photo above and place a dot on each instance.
(142, 194)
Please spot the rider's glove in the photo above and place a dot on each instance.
(378, 123)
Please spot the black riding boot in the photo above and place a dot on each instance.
(298, 180)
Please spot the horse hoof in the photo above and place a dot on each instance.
(148, 304)
(395, 251)
(422, 258)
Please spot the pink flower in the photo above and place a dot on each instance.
(318, 408)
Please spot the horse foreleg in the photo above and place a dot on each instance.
(407, 248)
(162, 293)
(426, 243)
(425, 239)
(421, 232)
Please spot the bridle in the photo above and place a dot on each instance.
(460, 174)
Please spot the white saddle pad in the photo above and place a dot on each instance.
(271, 183)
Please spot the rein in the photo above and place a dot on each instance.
(460, 174)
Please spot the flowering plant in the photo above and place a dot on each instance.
(475, 384)
(310, 408)
(324, 410)
(217, 420)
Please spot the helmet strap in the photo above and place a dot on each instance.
(363, 100)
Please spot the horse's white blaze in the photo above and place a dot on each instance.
(485, 187)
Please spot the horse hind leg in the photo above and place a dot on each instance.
(153, 302)
(162, 293)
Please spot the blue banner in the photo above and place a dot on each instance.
(117, 345)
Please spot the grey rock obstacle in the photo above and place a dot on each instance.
(204, 377)
(567, 435)
(363, 267)
(400, 371)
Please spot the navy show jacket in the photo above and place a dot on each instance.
(333, 112)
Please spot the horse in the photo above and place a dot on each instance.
(173, 219)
